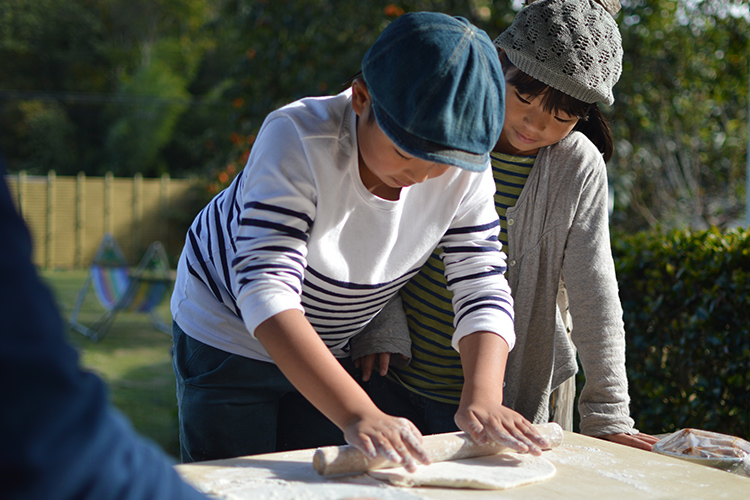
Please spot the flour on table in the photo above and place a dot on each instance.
(582, 456)
(494, 472)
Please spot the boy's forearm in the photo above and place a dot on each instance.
(309, 365)
(483, 357)
(481, 412)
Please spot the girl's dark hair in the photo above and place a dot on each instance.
(591, 121)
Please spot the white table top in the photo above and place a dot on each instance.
(586, 468)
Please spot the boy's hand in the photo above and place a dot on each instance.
(396, 439)
(308, 364)
(491, 421)
(481, 413)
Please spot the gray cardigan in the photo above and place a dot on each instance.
(558, 235)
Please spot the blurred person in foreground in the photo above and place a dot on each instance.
(59, 436)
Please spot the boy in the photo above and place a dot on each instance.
(342, 200)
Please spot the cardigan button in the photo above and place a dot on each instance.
(510, 222)
(512, 262)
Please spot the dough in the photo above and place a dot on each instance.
(494, 472)
(292, 490)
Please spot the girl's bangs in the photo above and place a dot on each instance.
(553, 100)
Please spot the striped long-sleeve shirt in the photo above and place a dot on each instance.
(297, 229)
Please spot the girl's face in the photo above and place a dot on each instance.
(528, 127)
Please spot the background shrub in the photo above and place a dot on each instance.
(686, 301)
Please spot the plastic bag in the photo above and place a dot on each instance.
(708, 448)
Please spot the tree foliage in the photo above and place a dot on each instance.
(100, 83)
(182, 86)
(680, 119)
(288, 49)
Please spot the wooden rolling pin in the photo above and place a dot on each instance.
(332, 460)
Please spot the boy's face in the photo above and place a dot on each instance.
(383, 166)
(528, 127)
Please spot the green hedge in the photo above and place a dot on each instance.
(686, 301)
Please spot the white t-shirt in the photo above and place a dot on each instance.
(297, 229)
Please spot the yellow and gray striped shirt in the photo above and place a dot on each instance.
(435, 370)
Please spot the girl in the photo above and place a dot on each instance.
(560, 58)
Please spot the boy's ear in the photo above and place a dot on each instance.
(360, 97)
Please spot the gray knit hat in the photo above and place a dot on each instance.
(573, 46)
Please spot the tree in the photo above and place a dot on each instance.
(108, 79)
(182, 86)
(288, 49)
(46, 47)
(680, 119)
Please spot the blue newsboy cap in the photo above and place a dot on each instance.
(437, 89)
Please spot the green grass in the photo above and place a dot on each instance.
(133, 359)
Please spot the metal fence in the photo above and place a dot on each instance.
(68, 216)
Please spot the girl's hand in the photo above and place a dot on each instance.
(491, 421)
(396, 439)
(367, 363)
(641, 441)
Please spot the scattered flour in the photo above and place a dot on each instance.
(636, 481)
(572, 455)
(295, 482)
(291, 490)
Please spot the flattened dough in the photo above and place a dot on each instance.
(494, 472)
(294, 490)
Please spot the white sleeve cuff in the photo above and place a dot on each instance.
(501, 326)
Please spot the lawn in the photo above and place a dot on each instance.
(133, 359)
